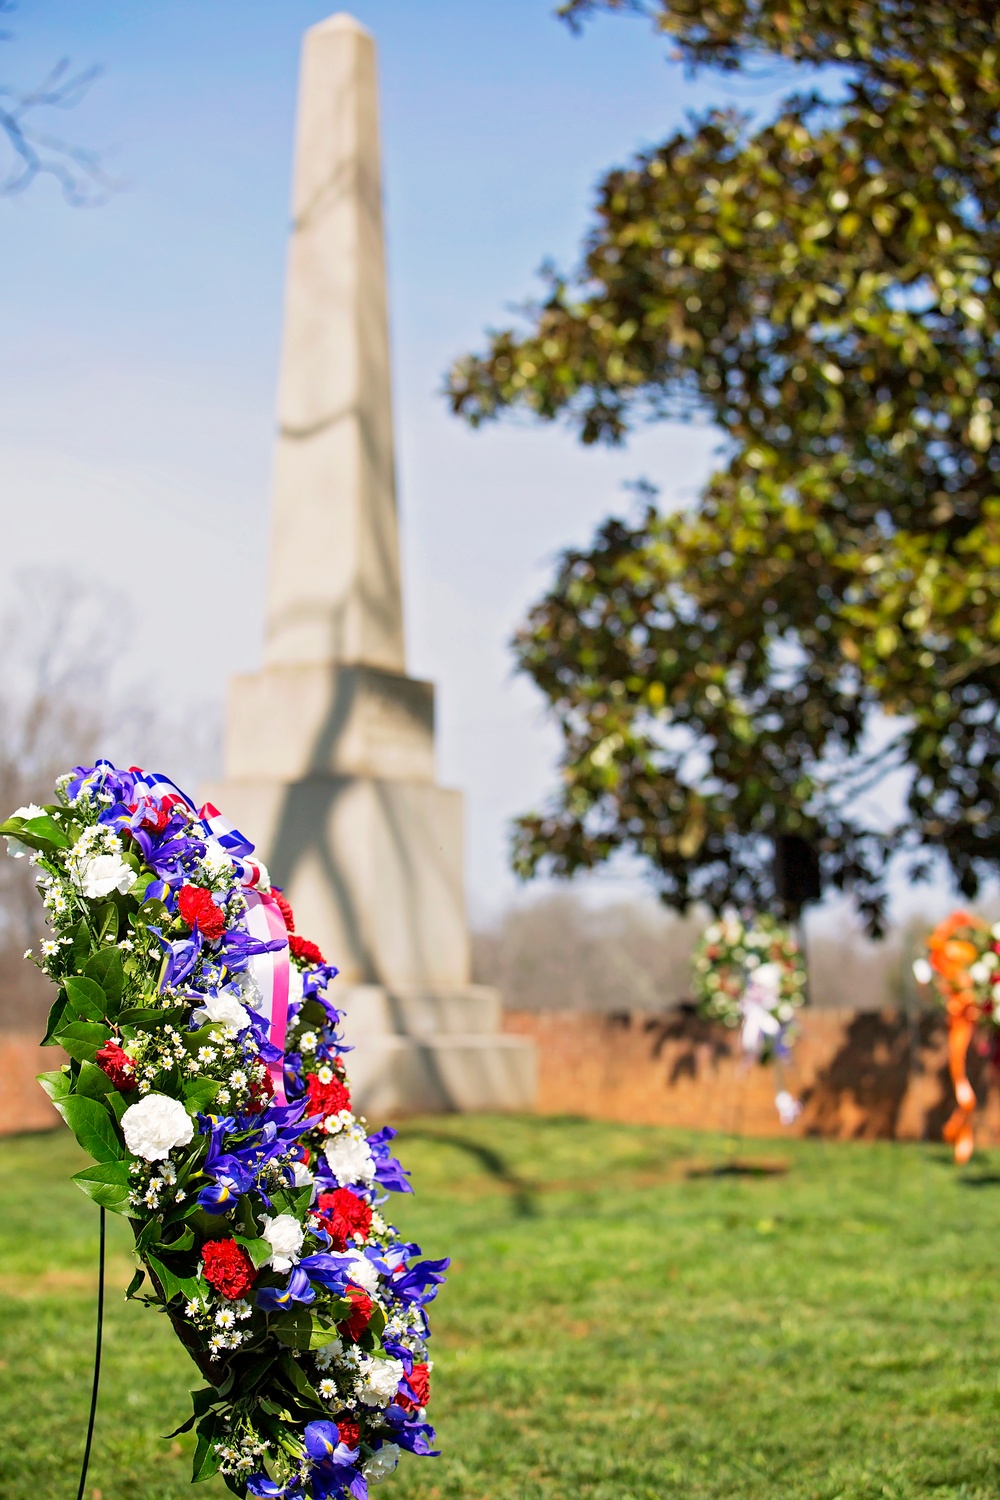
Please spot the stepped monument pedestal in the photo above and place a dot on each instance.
(329, 750)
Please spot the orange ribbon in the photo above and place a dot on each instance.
(951, 958)
(962, 1018)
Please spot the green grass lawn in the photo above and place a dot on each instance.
(622, 1322)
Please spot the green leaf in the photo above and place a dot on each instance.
(118, 1103)
(46, 828)
(57, 1015)
(184, 1427)
(93, 1082)
(171, 1283)
(184, 1241)
(82, 944)
(202, 1402)
(81, 1039)
(92, 1126)
(38, 833)
(292, 1328)
(320, 1337)
(145, 1018)
(296, 1377)
(199, 1093)
(148, 1235)
(376, 1323)
(107, 1183)
(293, 1200)
(105, 968)
(106, 921)
(206, 1460)
(250, 1370)
(56, 1084)
(131, 1290)
(258, 1250)
(86, 998)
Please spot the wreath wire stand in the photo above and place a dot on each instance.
(97, 1361)
(733, 1147)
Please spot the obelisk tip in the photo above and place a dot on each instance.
(341, 21)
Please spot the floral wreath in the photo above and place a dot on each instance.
(207, 1083)
(749, 973)
(963, 963)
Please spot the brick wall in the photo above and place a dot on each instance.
(858, 1075)
(23, 1105)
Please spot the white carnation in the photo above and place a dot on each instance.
(155, 1125)
(350, 1159)
(225, 1009)
(284, 1234)
(381, 1463)
(363, 1274)
(381, 1381)
(303, 1176)
(768, 976)
(105, 873)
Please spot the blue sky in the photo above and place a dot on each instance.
(141, 338)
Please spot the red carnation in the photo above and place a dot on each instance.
(349, 1432)
(344, 1214)
(116, 1063)
(327, 1098)
(153, 817)
(197, 908)
(228, 1268)
(354, 1326)
(261, 1090)
(284, 908)
(302, 948)
(419, 1381)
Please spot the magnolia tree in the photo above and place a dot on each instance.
(825, 287)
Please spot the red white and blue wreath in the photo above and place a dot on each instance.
(207, 1083)
(750, 974)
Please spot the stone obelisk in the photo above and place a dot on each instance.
(329, 751)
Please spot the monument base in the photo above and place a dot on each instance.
(420, 1050)
(372, 868)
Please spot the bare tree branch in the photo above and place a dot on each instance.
(34, 151)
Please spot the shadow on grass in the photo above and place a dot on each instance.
(523, 1198)
(980, 1180)
(738, 1168)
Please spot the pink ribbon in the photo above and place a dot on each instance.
(271, 972)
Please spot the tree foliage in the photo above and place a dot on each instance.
(825, 287)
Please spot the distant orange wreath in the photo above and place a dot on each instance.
(963, 956)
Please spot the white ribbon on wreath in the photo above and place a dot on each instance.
(758, 1006)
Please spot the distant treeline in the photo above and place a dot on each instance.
(561, 952)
